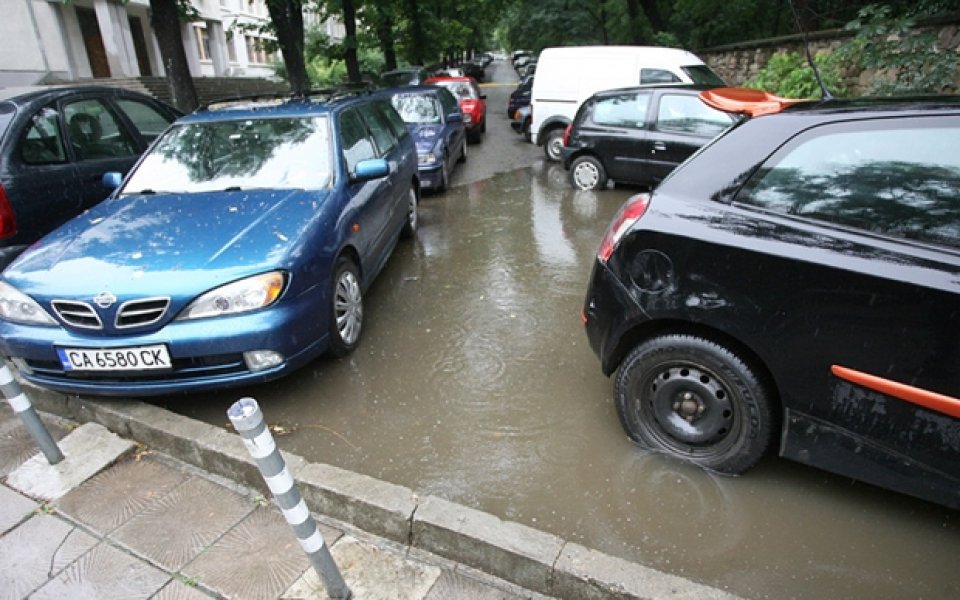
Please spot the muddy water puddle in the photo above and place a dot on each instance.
(474, 382)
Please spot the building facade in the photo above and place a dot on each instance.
(49, 41)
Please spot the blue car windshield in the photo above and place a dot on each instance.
(266, 153)
(417, 108)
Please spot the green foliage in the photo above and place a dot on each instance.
(906, 60)
(788, 75)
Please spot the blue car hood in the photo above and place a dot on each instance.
(426, 136)
(164, 243)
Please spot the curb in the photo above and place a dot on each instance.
(538, 561)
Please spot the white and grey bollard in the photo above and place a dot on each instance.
(23, 408)
(248, 420)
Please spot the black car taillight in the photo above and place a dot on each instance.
(8, 223)
(629, 214)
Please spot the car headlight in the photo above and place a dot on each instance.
(20, 308)
(427, 159)
(240, 296)
(467, 118)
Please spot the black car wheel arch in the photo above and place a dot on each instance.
(695, 399)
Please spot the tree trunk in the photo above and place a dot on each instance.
(287, 17)
(165, 20)
(385, 37)
(350, 41)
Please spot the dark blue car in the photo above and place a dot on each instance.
(237, 250)
(432, 115)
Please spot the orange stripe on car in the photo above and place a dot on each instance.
(947, 405)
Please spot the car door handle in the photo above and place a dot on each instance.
(659, 146)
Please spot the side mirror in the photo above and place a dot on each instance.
(112, 180)
(455, 117)
(483, 96)
(372, 168)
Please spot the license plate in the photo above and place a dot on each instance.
(136, 358)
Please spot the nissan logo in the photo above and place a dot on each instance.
(104, 299)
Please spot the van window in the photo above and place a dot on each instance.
(860, 176)
(703, 75)
(657, 76)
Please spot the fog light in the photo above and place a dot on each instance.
(258, 360)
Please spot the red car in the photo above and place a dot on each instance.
(473, 104)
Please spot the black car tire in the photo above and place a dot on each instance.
(695, 399)
(552, 143)
(413, 218)
(346, 320)
(587, 173)
(475, 136)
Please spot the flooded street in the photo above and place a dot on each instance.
(474, 382)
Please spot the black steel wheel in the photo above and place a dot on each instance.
(587, 173)
(346, 321)
(695, 399)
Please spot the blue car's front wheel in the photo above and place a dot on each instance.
(347, 308)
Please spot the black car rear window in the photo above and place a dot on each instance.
(898, 178)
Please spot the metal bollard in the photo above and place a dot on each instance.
(248, 420)
(23, 408)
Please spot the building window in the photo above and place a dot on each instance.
(203, 42)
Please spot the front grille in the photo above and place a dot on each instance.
(77, 314)
(137, 313)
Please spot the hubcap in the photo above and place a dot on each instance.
(586, 176)
(690, 405)
(348, 308)
(412, 210)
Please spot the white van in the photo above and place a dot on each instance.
(568, 75)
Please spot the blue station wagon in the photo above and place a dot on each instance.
(237, 250)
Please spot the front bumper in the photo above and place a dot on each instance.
(430, 176)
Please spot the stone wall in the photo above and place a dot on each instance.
(737, 63)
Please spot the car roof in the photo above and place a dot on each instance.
(311, 103)
(409, 89)
(464, 78)
(25, 94)
(691, 87)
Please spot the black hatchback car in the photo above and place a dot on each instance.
(796, 282)
(55, 145)
(637, 135)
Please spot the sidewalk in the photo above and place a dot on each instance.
(182, 513)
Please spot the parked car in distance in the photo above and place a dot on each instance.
(414, 75)
(474, 69)
(566, 76)
(55, 145)
(432, 116)
(796, 283)
(637, 135)
(237, 250)
(521, 121)
(519, 97)
(473, 104)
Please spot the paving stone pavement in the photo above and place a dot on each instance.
(150, 504)
(148, 526)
